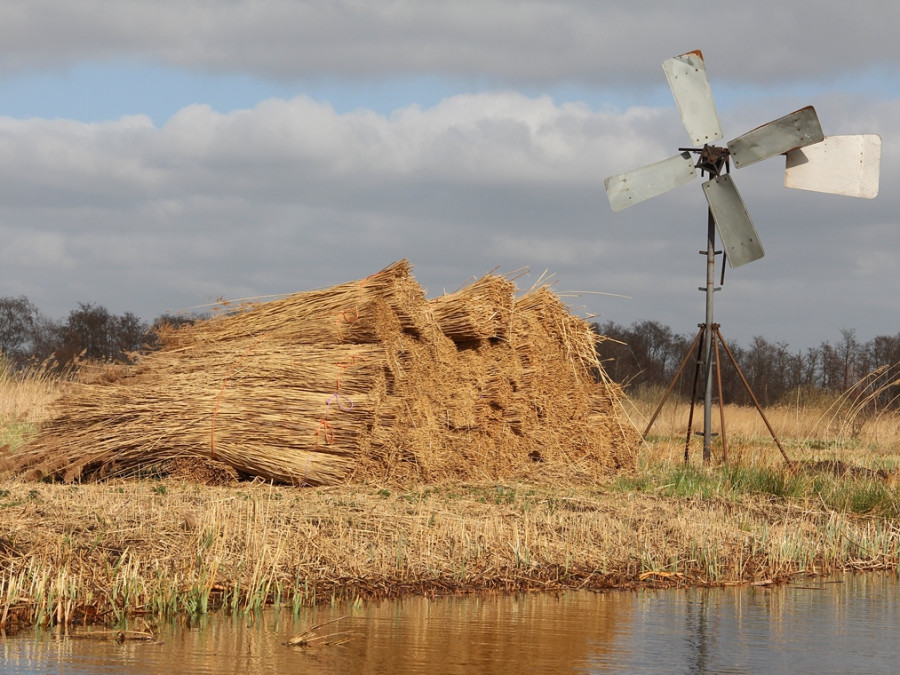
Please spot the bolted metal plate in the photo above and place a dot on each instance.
(840, 165)
(690, 87)
(741, 242)
(796, 130)
(628, 189)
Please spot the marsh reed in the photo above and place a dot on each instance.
(103, 552)
(847, 426)
(98, 553)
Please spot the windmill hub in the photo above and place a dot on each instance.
(712, 159)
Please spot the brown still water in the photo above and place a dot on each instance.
(848, 624)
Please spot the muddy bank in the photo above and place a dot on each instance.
(98, 553)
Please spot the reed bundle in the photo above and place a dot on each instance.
(364, 381)
(479, 311)
(359, 312)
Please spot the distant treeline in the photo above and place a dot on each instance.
(648, 354)
(645, 354)
(90, 332)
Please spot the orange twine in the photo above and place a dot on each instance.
(352, 313)
(324, 430)
(327, 432)
(341, 367)
(237, 362)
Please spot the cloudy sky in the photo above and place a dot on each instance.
(156, 155)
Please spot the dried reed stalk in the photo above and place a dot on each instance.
(363, 381)
(356, 312)
(290, 418)
(478, 311)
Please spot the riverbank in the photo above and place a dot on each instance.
(103, 552)
(98, 553)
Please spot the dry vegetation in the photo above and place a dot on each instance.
(367, 380)
(848, 427)
(99, 552)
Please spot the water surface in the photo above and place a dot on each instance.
(840, 625)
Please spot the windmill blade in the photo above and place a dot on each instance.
(840, 165)
(741, 241)
(690, 87)
(628, 189)
(796, 130)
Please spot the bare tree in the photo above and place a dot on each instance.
(129, 335)
(18, 318)
(647, 353)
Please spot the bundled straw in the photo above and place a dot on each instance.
(479, 311)
(364, 381)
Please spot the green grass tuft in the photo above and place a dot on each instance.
(866, 495)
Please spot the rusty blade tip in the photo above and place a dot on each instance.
(695, 52)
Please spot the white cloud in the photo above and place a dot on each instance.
(290, 194)
(294, 182)
(502, 40)
(33, 251)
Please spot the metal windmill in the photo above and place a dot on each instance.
(844, 165)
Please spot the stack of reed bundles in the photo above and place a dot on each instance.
(365, 381)
(479, 311)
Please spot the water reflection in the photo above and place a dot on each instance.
(834, 626)
(487, 635)
(843, 625)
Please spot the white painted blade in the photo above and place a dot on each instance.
(741, 242)
(690, 87)
(796, 130)
(628, 189)
(840, 165)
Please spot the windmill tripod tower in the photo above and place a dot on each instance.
(844, 165)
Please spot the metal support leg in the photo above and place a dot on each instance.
(690, 426)
(753, 397)
(700, 346)
(675, 379)
(709, 338)
(721, 404)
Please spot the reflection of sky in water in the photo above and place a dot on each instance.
(811, 627)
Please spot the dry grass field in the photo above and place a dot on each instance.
(160, 546)
(845, 428)
(25, 400)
